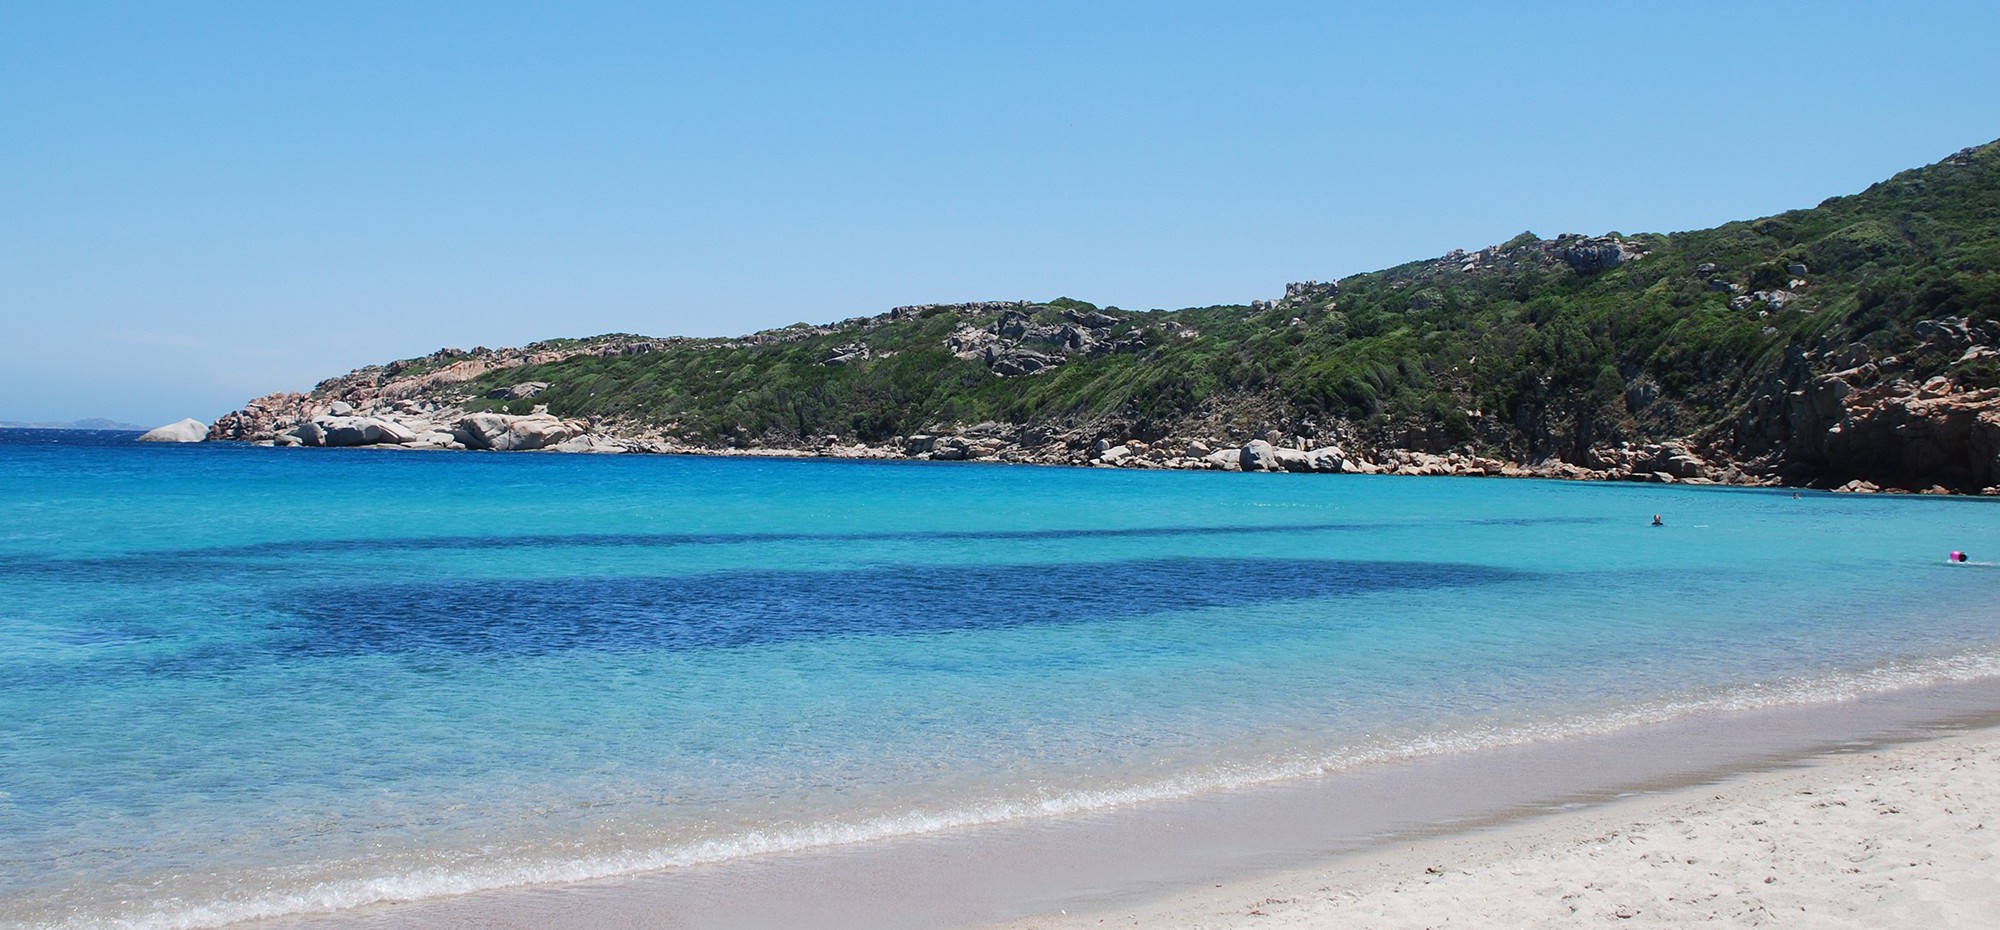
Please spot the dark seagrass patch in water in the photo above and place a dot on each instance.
(747, 608)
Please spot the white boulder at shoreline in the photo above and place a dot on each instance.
(506, 433)
(342, 426)
(188, 430)
(353, 431)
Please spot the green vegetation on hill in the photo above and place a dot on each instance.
(1529, 349)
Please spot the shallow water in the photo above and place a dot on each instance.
(241, 682)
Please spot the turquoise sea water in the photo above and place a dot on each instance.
(240, 682)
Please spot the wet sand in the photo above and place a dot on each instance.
(1516, 836)
(1906, 836)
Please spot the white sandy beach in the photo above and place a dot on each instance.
(1901, 837)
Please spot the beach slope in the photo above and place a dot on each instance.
(1902, 836)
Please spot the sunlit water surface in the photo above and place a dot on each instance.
(239, 682)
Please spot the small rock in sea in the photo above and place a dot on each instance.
(188, 430)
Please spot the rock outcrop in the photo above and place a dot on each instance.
(1871, 422)
(504, 433)
(1016, 344)
(264, 419)
(1585, 255)
(848, 354)
(1300, 294)
(591, 443)
(1917, 436)
(188, 430)
(376, 421)
(522, 391)
(1258, 455)
(353, 431)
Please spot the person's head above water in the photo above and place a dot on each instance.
(1657, 521)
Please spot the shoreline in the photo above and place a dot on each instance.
(1419, 465)
(1888, 835)
(1193, 861)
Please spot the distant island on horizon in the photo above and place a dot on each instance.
(1853, 345)
(96, 423)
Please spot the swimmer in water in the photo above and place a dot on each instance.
(1657, 521)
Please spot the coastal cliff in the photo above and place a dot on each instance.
(1853, 345)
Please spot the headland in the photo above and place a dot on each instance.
(1845, 346)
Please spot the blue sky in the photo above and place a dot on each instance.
(202, 202)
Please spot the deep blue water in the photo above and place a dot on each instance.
(238, 681)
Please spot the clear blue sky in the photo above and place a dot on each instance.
(201, 202)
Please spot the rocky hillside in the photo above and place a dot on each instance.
(1855, 344)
